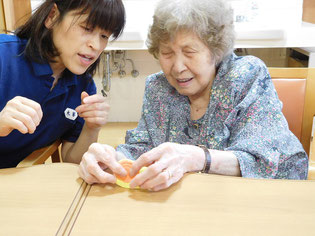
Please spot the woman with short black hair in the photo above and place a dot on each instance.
(46, 86)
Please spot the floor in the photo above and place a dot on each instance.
(113, 133)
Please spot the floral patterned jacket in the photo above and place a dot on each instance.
(244, 116)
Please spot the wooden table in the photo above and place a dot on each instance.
(38, 200)
(201, 205)
(52, 200)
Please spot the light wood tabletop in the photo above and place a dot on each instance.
(51, 200)
(37, 200)
(201, 205)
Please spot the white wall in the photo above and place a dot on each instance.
(126, 93)
(269, 12)
(35, 3)
(125, 96)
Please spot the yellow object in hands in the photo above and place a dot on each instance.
(124, 181)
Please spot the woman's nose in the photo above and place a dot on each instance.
(95, 42)
(179, 65)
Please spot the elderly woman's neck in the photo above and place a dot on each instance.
(199, 105)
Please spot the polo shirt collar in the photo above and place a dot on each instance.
(44, 69)
(41, 69)
(69, 78)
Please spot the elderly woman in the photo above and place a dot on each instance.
(208, 110)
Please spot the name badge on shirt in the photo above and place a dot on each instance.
(71, 114)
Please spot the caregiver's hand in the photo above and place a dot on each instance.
(22, 114)
(94, 110)
(94, 162)
(167, 164)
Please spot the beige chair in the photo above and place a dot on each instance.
(41, 155)
(295, 88)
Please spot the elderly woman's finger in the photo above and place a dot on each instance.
(163, 177)
(147, 159)
(160, 187)
(151, 172)
(168, 177)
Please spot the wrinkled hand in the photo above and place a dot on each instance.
(94, 110)
(94, 162)
(167, 164)
(22, 114)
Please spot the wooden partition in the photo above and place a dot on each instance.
(14, 13)
(2, 19)
(309, 11)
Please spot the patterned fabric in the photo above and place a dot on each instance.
(244, 116)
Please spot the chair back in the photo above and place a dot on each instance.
(294, 87)
(291, 91)
(39, 156)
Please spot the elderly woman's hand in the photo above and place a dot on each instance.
(167, 164)
(94, 162)
(94, 110)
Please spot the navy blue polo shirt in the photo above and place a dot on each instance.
(22, 77)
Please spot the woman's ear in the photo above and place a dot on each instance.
(52, 17)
